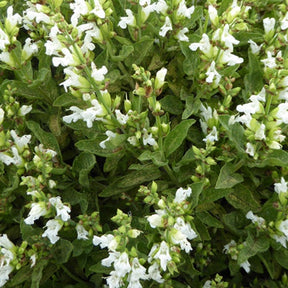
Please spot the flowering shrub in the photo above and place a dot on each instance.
(143, 143)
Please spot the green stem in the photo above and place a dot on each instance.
(72, 276)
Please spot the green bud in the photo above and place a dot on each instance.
(127, 105)
(154, 187)
(3, 4)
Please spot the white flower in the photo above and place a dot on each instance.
(185, 228)
(282, 113)
(212, 74)
(178, 237)
(114, 280)
(2, 113)
(260, 133)
(68, 60)
(98, 74)
(148, 138)
(98, 10)
(121, 118)
(249, 108)
(29, 49)
(166, 27)
(212, 136)
(82, 233)
(7, 58)
(250, 149)
(184, 11)
(230, 59)
(109, 135)
(122, 265)
(205, 46)
(155, 220)
(283, 227)
(5, 270)
(11, 20)
(25, 109)
(281, 187)
(270, 61)
(53, 226)
(132, 140)
(223, 35)
(255, 219)
(268, 24)
(160, 78)
(4, 39)
(20, 142)
(163, 255)
(246, 266)
(137, 272)
(161, 7)
(127, 21)
(284, 22)
(207, 284)
(228, 246)
(181, 35)
(8, 160)
(154, 273)
(61, 209)
(182, 194)
(106, 241)
(280, 239)
(113, 256)
(254, 47)
(213, 15)
(33, 260)
(37, 210)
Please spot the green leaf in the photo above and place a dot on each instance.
(45, 138)
(281, 257)
(66, 99)
(23, 275)
(272, 158)
(147, 173)
(212, 194)
(209, 220)
(243, 198)
(175, 138)
(37, 273)
(99, 268)
(141, 49)
(254, 79)
(124, 53)
(227, 178)
(62, 251)
(172, 104)
(83, 164)
(155, 157)
(253, 245)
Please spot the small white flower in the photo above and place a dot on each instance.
(284, 22)
(166, 27)
(255, 219)
(4, 39)
(98, 10)
(207, 284)
(154, 273)
(127, 21)
(105, 241)
(2, 113)
(246, 266)
(33, 260)
(37, 210)
(228, 246)
(213, 15)
(283, 227)
(161, 7)
(98, 74)
(25, 109)
(223, 35)
(148, 138)
(82, 233)
(114, 280)
(254, 47)
(53, 227)
(155, 220)
(163, 255)
(212, 74)
(122, 265)
(109, 135)
(68, 60)
(182, 194)
(281, 187)
(121, 118)
(230, 59)
(280, 239)
(12, 20)
(177, 237)
(160, 78)
(29, 49)
(113, 256)
(269, 24)
(20, 142)
(270, 61)
(212, 136)
(181, 35)
(205, 46)
(185, 228)
(184, 11)
(260, 133)
(61, 209)
(250, 149)
(137, 272)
